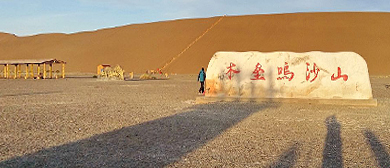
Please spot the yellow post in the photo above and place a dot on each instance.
(32, 70)
(39, 71)
(19, 71)
(51, 71)
(131, 75)
(63, 70)
(16, 72)
(98, 70)
(44, 70)
(26, 76)
(5, 71)
(8, 71)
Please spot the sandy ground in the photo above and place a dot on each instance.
(83, 122)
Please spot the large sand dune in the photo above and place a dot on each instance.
(140, 47)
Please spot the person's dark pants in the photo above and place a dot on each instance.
(201, 90)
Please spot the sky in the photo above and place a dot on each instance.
(31, 17)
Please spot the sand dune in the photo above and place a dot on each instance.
(140, 47)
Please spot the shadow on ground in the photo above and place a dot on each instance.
(332, 154)
(381, 155)
(30, 94)
(288, 158)
(155, 143)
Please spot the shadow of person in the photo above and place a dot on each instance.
(332, 154)
(155, 143)
(381, 155)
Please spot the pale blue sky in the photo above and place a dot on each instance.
(29, 17)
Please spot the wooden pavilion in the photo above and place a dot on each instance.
(29, 72)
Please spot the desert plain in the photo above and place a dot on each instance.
(86, 122)
(82, 121)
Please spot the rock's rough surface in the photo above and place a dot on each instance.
(311, 75)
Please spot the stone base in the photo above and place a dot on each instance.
(342, 102)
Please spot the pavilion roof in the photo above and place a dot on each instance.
(31, 61)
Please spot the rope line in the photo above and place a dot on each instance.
(192, 43)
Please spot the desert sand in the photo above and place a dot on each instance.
(81, 121)
(84, 122)
(140, 47)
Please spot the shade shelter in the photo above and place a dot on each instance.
(29, 68)
(101, 67)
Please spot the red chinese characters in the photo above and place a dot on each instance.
(339, 75)
(231, 71)
(313, 71)
(287, 74)
(258, 73)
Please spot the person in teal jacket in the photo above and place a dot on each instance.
(201, 79)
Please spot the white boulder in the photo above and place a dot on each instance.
(311, 75)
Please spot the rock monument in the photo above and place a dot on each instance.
(288, 75)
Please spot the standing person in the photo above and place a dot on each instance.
(201, 79)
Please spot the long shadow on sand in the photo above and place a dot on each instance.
(151, 144)
(382, 157)
(332, 154)
(288, 158)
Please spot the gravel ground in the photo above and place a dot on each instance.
(83, 122)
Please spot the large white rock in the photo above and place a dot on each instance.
(311, 75)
